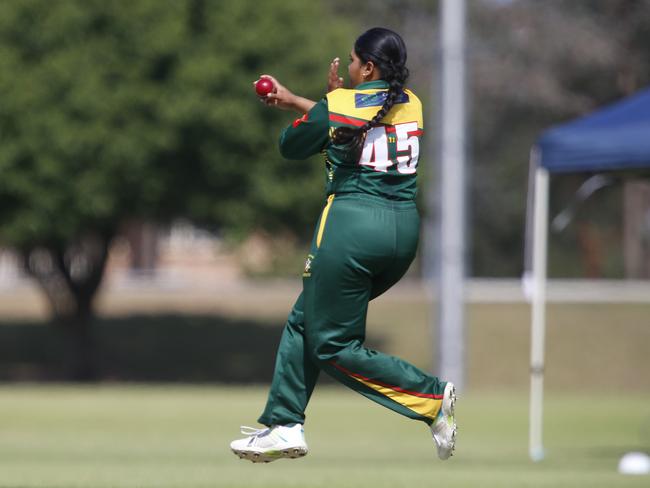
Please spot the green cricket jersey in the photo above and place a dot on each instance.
(365, 240)
(387, 165)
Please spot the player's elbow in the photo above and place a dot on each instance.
(289, 151)
(286, 154)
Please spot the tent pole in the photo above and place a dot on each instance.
(527, 277)
(538, 312)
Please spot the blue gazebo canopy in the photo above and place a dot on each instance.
(616, 137)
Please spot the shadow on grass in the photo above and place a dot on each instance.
(148, 348)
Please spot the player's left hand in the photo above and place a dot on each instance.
(334, 81)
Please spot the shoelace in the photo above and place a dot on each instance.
(252, 431)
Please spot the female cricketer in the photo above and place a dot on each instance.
(364, 242)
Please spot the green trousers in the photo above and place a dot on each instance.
(362, 246)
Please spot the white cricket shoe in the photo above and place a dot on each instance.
(444, 428)
(266, 445)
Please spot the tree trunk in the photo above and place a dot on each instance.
(590, 249)
(143, 242)
(70, 276)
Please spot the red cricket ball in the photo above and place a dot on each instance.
(263, 87)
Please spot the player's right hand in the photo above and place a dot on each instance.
(281, 97)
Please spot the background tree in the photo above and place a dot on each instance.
(531, 64)
(117, 109)
(535, 64)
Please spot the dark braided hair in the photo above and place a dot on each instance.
(387, 51)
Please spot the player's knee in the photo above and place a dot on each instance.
(296, 322)
(326, 354)
(322, 352)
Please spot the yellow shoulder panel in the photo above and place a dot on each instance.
(342, 101)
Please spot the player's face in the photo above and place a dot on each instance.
(355, 69)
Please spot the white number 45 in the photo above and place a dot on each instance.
(407, 146)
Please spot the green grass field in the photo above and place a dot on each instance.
(139, 436)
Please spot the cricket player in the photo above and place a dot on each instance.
(364, 241)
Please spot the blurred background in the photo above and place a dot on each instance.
(150, 232)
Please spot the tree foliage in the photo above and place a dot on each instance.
(535, 64)
(111, 109)
(117, 109)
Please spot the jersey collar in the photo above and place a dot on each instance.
(368, 85)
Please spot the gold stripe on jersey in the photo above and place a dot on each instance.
(341, 101)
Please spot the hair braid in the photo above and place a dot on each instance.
(387, 51)
(394, 91)
(355, 136)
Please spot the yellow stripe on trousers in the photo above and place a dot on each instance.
(321, 227)
(427, 407)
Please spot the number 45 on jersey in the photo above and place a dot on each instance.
(407, 148)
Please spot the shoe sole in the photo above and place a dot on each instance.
(449, 404)
(268, 456)
(448, 410)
